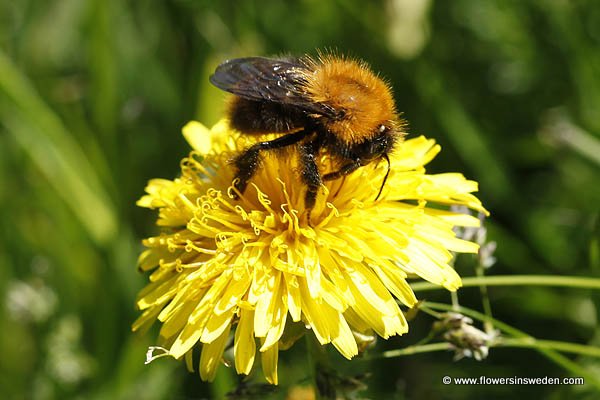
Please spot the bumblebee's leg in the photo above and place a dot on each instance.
(351, 167)
(345, 170)
(310, 171)
(247, 162)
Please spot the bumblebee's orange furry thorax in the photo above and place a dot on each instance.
(348, 85)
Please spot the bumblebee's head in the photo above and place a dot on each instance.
(378, 146)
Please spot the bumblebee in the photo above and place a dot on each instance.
(330, 102)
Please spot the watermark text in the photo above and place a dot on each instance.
(512, 380)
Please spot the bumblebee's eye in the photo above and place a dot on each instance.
(382, 128)
(378, 147)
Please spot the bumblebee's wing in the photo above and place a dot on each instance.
(267, 79)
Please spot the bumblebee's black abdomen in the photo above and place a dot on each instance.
(249, 116)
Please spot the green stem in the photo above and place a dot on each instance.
(485, 298)
(407, 351)
(454, 294)
(318, 361)
(518, 280)
(455, 303)
(566, 347)
(312, 366)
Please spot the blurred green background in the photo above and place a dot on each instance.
(92, 98)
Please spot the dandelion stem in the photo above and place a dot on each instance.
(318, 364)
(310, 359)
(424, 348)
(566, 347)
(454, 294)
(485, 298)
(454, 298)
(518, 280)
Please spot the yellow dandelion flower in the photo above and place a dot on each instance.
(256, 266)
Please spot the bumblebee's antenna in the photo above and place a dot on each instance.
(385, 177)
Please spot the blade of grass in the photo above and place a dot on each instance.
(42, 135)
(103, 71)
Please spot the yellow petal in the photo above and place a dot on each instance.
(426, 267)
(342, 337)
(189, 360)
(265, 307)
(394, 280)
(269, 364)
(157, 190)
(187, 338)
(216, 325)
(374, 304)
(198, 136)
(211, 356)
(294, 301)
(312, 268)
(157, 293)
(244, 348)
(332, 295)
(234, 292)
(454, 218)
(317, 314)
(279, 317)
(371, 289)
(177, 320)
(355, 321)
(414, 153)
(146, 319)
